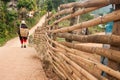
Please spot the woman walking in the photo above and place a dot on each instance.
(23, 34)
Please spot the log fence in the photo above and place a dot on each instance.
(71, 60)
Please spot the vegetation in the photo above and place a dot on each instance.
(10, 17)
(7, 20)
(28, 4)
(94, 29)
(52, 5)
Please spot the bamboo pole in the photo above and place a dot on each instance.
(104, 39)
(111, 54)
(100, 20)
(90, 3)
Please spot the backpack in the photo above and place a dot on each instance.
(24, 32)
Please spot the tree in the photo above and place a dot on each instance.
(28, 4)
(53, 4)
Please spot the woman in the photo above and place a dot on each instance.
(23, 34)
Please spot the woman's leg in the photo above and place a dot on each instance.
(25, 41)
(21, 40)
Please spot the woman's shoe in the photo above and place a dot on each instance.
(24, 46)
(21, 46)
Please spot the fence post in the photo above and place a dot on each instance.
(56, 25)
(72, 22)
(116, 31)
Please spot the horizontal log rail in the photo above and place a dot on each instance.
(103, 39)
(79, 59)
(79, 12)
(109, 53)
(90, 3)
(96, 65)
(100, 66)
(100, 20)
(65, 11)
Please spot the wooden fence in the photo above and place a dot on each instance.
(69, 59)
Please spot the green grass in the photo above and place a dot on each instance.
(95, 29)
(2, 41)
(60, 39)
(64, 23)
(5, 39)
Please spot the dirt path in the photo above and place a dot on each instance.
(18, 63)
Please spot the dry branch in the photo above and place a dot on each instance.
(104, 39)
(100, 20)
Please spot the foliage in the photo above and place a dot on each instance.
(85, 17)
(28, 4)
(9, 20)
(53, 4)
(64, 23)
(95, 29)
(32, 21)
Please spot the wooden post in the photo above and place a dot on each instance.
(72, 22)
(56, 25)
(116, 31)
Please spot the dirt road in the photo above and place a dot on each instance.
(20, 63)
